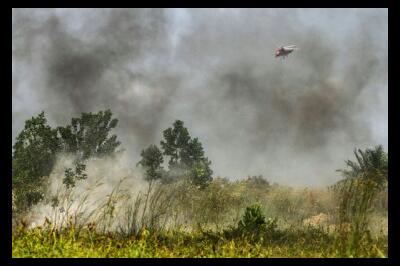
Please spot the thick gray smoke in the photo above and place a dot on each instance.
(295, 120)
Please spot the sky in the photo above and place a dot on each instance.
(294, 121)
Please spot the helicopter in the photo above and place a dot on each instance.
(284, 51)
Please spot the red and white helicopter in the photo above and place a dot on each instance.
(285, 50)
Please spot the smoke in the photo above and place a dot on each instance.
(295, 120)
(112, 180)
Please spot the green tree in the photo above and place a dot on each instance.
(33, 159)
(36, 147)
(176, 140)
(192, 153)
(88, 135)
(186, 155)
(151, 161)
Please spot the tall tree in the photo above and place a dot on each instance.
(186, 155)
(33, 160)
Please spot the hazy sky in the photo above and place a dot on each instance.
(295, 120)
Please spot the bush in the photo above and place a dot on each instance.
(253, 224)
(253, 219)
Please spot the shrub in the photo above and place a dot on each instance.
(253, 224)
(253, 219)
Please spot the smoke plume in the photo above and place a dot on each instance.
(294, 120)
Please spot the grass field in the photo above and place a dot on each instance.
(297, 244)
(219, 221)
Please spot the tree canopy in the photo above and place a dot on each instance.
(88, 135)
(36, 147)
(34, 156)
(185, 157)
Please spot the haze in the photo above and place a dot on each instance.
(294, 121)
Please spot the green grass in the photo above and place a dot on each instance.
(236, 219)
(307, 243)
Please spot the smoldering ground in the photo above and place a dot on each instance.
(295, 120)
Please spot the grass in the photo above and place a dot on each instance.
(292, 243)
(161, 225)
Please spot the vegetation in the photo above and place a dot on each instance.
(186, 155)
(36, 147)
(296, 244)
(34, 156)
(183, 211)
(151, 162)
(87, 135)
(366, 177)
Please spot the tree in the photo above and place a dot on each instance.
(176, 140)
(186, 155)
(192, 153)
(371, 164)
(151, 161)
(33, 160)
(36, 147)
(88, 135)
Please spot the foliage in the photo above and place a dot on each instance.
(72, 176)
(151, 161)
(33, 159)
(254, 222)
(253, 219)
(151, 231)
(370, 164)
(176, 139)
(186, 155)
(177, 219)
(39, 243)
(36, 147)
(88, 135)
(356, 196)
(200, 173)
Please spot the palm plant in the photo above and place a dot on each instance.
(356, 193)
(370, 164)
